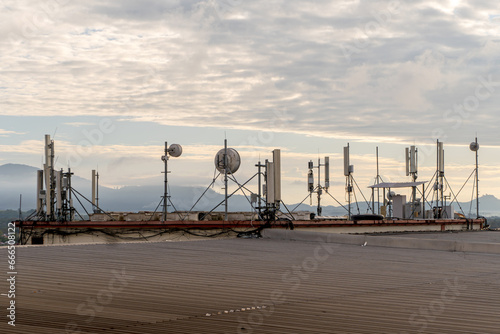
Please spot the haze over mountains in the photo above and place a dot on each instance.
(16, 179)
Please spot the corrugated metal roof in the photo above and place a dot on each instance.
(253, 286)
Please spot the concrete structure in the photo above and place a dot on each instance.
(126, 229)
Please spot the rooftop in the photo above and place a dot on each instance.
(287, 282)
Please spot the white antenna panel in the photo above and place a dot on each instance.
(327, 172)
(346, 160)
(175, 150)
(277, 175)
(413, 159)
(233, 161)
(270, 191)
(407, 160)
(441, 156)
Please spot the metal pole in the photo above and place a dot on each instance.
(423, 201)
(443, 204)
(349, 186)
(70, 198)
(52, 177)
(414, 191)
(437, 214)
(97, 191)
(225, 179)
(93, 190)
(477, 182)
(260, 187)
(349, 195)
(318, 210)
(165, 191)
(373, 200)
(378, 189)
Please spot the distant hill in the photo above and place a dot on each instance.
(18, 179)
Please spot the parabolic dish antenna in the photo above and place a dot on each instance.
(474, 146)
(175, 150)
(233, 161)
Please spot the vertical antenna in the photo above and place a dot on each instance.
(175, 150)
(225, 177)
(277, 177)
(474, 146)
(259, 165)
(97, 190)
(94, 190)
(477, 179)
(318, 210)
(310, 180)
(49, 177)
(260, 186)
(437, 179)
(347, 173)
(411, 160)
(70, 198)
(165, 184)
(441, 174)
(327, 173)
(378, 189)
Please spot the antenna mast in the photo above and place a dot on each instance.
(348, 169)
(411, 154)
(319, 188)
(174, 150)
(439, 185)
(474, 146)
(225, 179)
(378, 189)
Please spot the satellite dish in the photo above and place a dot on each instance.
(175, 150)
(233, 161)
(474, 146)
(391, 194)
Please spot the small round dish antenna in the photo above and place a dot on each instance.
(233, 161)
(175, 150)
(474, 146)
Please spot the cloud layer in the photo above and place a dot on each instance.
(351, 69)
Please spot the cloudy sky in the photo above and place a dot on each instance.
(113, 80)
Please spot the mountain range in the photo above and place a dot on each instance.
(16, 180)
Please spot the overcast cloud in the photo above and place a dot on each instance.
(370, 71)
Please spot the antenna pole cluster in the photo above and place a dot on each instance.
(318, 189)
(54, 202)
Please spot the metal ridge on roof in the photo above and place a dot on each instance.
(397, 184)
